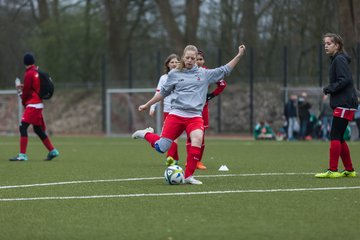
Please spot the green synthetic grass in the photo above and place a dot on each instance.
(289, 205)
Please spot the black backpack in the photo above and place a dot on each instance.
(46, 85)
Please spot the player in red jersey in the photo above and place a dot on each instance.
(33, 107)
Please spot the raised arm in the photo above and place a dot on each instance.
(236, 59)
(156, 98)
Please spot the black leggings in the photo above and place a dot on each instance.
(37, 129)
(338, 128)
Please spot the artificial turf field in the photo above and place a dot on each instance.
(113, 188)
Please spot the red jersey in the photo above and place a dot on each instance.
(31, 87)
(221, 85)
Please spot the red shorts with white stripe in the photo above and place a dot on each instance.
(175, 125)
(347, 113)
(33, 116)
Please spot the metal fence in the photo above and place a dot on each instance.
(260, 75)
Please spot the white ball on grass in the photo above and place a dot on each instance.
(174, 175)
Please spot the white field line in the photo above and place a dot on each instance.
(149, 178)
(179, 194)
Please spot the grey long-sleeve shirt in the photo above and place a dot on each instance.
(190, 87)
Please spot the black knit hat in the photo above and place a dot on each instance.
(29, 59)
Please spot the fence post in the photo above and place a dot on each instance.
(158, 63)
(130, 85)
(251, 90)
(320, 65)
(358, 66)
(103, 91)
(108, 113)
(130, 73)
(285, 64)
(219, 97)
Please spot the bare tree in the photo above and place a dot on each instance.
(15, 22)
(40, 14)
(192, 21)
(249, 23)
(349, 23)
(43, 10)
(177, 38)
(120, 31)
(228, 25)
(86, 42)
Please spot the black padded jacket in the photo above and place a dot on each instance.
(341, 87)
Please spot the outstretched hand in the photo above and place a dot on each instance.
(236, 59)
(242, 49)
(142, 107)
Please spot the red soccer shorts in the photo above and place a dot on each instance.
(346, 113)
(165, 114)
(175, 125)
(34, 116)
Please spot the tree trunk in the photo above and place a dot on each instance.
(349, 21)
(249, 23)
(176, 37)
(226, 37)
(43, 11)
(87, 51)
(192, 20)
(118, 45)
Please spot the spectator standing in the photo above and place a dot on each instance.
(290, 112)
(326, 117)
(343, 101)
(304, 115)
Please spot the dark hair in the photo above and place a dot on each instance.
(201, 53)
(337, 40)
(168, 59)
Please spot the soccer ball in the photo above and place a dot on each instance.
(174, 175)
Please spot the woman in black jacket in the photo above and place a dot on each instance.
(343, 101)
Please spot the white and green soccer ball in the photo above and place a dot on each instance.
(174, 175)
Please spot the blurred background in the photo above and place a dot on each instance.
(91, 46)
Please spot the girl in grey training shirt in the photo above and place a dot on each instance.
(188, 85)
